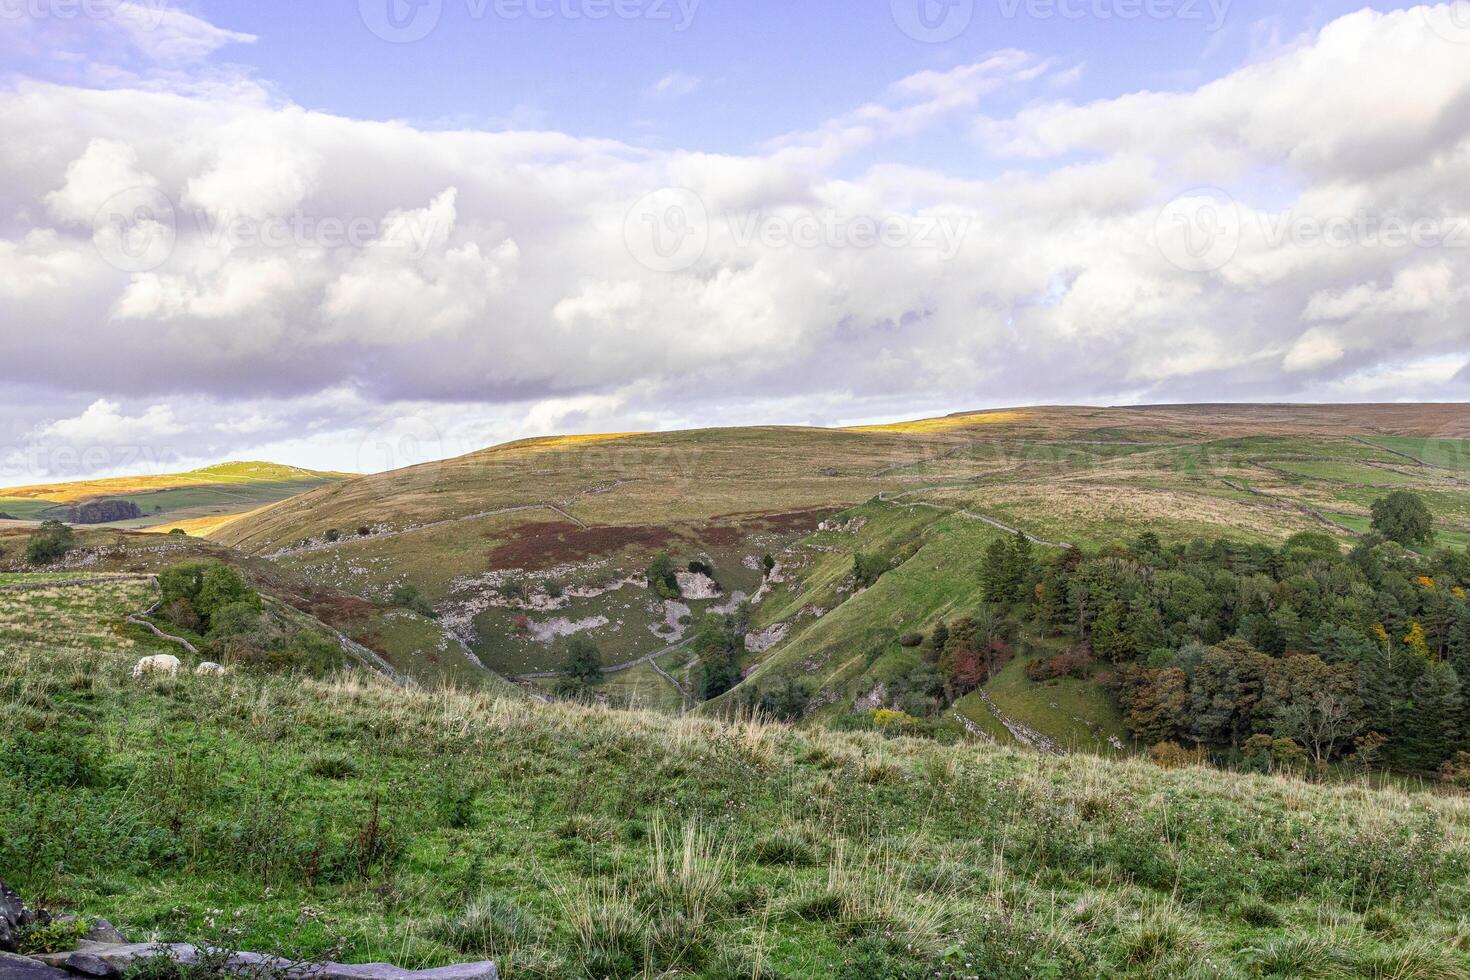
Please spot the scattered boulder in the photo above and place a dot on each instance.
(13, 915)
(163, 663)
(116, 958)
(86, 964)
(104, 932)
(13, 967)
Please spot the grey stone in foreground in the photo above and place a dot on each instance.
(13, 915)
(104, 932)
(13, 967)
(117, 957)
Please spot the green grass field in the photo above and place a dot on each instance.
(213, 492)
(353, 818)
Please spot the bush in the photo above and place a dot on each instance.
(207, 589)
(661, 577)
(55, 936)
(50, 543)
(1073, 663)
(867, 569)
(1456, 771)
(911, 640)
(583, 662)
(409, 596)
(333, 535)
(50, 760)
(1403, 516)
(1172, 755)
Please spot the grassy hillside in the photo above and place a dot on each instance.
(353, 817)
(200, 498)
(488, 536)
(414, 646)
(523, 545)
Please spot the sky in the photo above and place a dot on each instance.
(362, 234)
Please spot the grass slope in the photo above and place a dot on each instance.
(484, 535)
(351, 817)
(420, 649)
(199, 498)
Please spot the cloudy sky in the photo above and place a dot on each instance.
(353, 235)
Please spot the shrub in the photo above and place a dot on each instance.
(51, 760)
(364, 531)
(50, 543)
(409, 596)
(911, 640)
(54, 936)
(235, 619)
(1456, 771)
(333, 535)
(661, 577)
(1073, 663)
(867, 568)
(1172, 755)
(583, 662)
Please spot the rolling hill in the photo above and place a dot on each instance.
(432, 812)
(198, 500)
(523, 545)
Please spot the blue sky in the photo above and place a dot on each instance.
(762, 67)
(269, 230)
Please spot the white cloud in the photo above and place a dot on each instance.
(104, 423)
(673, 85)
(491, 287)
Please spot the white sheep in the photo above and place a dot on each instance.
(209, 667)
(163, 663)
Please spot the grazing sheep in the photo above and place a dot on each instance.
(209, 667)
(163, 663)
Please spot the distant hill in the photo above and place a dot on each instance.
(143, 502)
(523, 545)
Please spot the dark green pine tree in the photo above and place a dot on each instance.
(1434, 727)
(999, 572)
(1023, 568)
